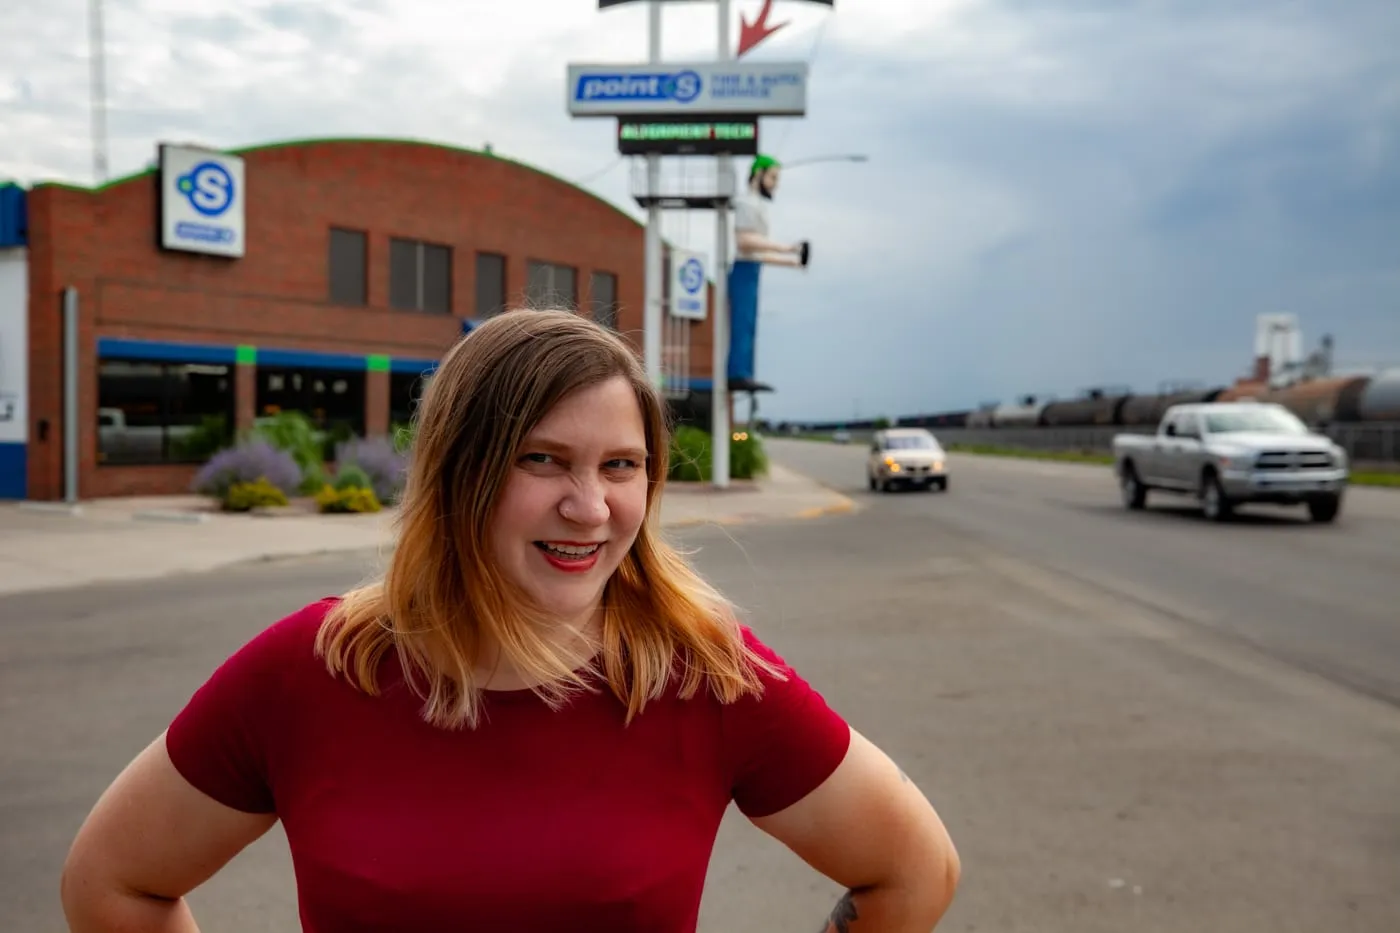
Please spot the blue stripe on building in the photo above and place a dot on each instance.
(118, 347)
(172, 352)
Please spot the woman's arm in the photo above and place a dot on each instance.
(150, 840)
(871, 830)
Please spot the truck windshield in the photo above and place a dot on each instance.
(1270, 420)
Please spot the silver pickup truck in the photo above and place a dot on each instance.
(1229, 453)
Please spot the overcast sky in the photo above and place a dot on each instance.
(1060, 193)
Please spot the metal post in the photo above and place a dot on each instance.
(719, 373)
(652, 313)
(70, 395)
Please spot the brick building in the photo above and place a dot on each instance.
(352, 266)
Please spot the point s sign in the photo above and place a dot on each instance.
(689, 297)
(202, 197)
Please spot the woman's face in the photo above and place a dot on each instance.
(574, 500)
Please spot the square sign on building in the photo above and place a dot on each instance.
(689, 276)
(202, 197)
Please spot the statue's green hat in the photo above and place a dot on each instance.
(763, 163)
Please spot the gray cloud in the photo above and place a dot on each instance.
(1060, 194)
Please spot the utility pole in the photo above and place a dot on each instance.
(719, 374)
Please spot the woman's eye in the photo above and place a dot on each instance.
(536, 458)
(622, 463)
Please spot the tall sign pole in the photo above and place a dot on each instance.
(653, 313)
(719, 366)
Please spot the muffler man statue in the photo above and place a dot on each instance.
(753, 250)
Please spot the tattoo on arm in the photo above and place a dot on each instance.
(842, 915)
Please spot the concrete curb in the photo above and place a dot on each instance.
(844, 506)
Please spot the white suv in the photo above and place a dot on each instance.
(906, 457)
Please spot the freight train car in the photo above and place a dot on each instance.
(1323, 401)
(1332, 400)
(1380, 399)
(1147, 410)
(1023, 413)
(1094, 407)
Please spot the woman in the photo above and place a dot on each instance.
(533, 722)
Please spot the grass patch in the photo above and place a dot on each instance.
(1027, 453)
(1362, 478)
(1376, 479)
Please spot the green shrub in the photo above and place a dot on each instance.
(293, 432)
(243, 497)
(690, 455)
(402, 433)
(351, 476)
(747, 458)
(691, 460)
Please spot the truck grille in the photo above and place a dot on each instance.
(1294, 460)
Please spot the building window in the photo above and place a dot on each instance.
(551, 286)
(490, 285)
(150, 413)
(332, 400)
(602, 296)
(347, 267)
(420, 276)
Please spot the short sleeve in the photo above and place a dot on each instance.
(222, 740)
(783, 745)
(748, 215)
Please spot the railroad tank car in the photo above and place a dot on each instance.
(1147, 410)
(1327, 400)
(1380, 400)
(981, 418)
(1243, 390)
(1023, 413)
(1096, 407)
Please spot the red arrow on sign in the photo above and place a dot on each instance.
(751, 34)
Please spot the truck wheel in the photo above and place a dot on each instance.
(1213, 501)
(1324, 509)
(1134, 493)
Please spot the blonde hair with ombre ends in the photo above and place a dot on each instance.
(441, 591)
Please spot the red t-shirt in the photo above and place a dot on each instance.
(537, 820)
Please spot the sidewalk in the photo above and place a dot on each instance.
(46, 546)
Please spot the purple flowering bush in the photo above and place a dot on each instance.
(380, 459)
(248, 463)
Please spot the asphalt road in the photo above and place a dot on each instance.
(1102, 765)
(1324, 597)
